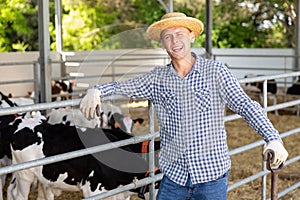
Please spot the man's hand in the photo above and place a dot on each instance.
(90, 104)
(279, 153)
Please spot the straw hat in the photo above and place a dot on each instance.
(174, 19)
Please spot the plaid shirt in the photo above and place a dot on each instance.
(190, 113)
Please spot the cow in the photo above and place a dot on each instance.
(73, 116)
(62, 87)
(5, 152)
(33, 139)
(9, 101)
(111, 117)
(294, 91)
(295, 88)
(258, 86)
(116, 118)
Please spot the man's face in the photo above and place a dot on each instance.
(177, 41)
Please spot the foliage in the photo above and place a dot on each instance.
(253, 24)
(15, 19)
(109, 24)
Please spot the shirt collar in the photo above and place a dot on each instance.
(196, 67)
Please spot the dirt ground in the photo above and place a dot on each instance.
(244, 164)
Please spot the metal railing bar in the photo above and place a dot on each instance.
(16, 81)
(247, 180)
(18, 63)
(40, 106)
(261, 68)
(287, 190)
(267, 109)
(261, 142)
(111, 60)
(47, 106)
(78, 153)
(255, 55)
(75, 102)
(258, 175)
(124, 188)
(262, 78)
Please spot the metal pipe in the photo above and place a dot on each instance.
(75, 154)
(259, 174)
(151, 149)
(130, 186)
(47, 106)
(268, 109)
(261, 142)
(289, 189)
(36, 82)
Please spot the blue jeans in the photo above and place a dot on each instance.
(213, 190)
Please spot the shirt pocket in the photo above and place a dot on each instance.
(168, 101)
(203, 99)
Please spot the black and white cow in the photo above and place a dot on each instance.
(295, 88)
(5, 133)
(9, 101)
(32, 139)
(116, 119)
(111, 117)
(74, 117)
(256, 89)
(5, 152)
(294, 92)
(258, 86)
(63, 87)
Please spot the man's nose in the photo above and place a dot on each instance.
(175, 39)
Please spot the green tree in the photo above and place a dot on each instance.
(17, 27)
(253, 24)
(108, 24)
(103, 24)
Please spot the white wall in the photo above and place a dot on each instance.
(21, 72)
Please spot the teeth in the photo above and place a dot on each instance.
(176, 48)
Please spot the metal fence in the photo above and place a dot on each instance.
(152, 135)
(123, 62)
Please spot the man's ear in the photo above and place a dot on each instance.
(192, 37)
(162, 45)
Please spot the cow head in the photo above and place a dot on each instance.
(117, 120)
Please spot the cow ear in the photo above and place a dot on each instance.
(116, 125)
(44, 120)
(138, 121)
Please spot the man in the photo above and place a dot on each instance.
(189, 96)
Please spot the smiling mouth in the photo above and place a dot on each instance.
(176, 49)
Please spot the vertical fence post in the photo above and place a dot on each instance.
(113, 71)
(36, 82)
(265, 105)
(151, 148)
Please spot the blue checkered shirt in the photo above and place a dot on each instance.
(190, 114)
